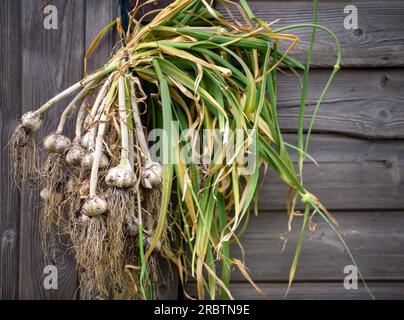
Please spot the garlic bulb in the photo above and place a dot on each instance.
(86, 140)
(56, 143)
(94, 206)
(75, 155)
(31, 120)
(87, 161)
(121, 176)
(44, 194)
(152, 175)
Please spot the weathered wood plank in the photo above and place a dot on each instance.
(10, 107)
(316, 291)
(364, 103)
(333, 148)
(352, 174)
(368, 185)
(99, 13)
(157, 4)
(377, 42)
(9, 265)
(375, 239)
(52, 60)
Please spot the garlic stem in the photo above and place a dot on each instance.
(81, 84)
(98, 108)
(129, 123)
(131, 150)
(122, 176)
(97, 158)
(141, 139)
(80, 121)
(100, 96)
(72, 106)
(98, 117)
(123, 118)
(99, 140)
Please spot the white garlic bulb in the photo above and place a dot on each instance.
(56, 143)
(152, 175)
(86, 140)
(88, 159)
(75, 155)
(31, 120)
(94, 206)
(121, 176)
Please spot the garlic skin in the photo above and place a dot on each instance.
(94, 206)
(121, 176)
(75, 155)
(152, 175)
(88, 159)
(86, 139)
(31, 120)
(56, 143)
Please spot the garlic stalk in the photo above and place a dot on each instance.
(80, 122)
(76, 86)
(57, 142)
(32, 120)
(88, 139)
(72, 107)
(151, 176)
(95, 205)
(76, 152)
(122, 176)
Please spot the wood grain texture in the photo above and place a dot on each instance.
(375, 239)
(365, 103)
(315, 291)
(377, 42)
(99, 13)
(157, 4)
(10, 108)
(9, 265)
(52, 60)
(352, 174)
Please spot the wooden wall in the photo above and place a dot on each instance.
(358, 143)
(36, 64)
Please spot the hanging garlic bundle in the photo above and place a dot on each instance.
(94, 177)
(105, 188)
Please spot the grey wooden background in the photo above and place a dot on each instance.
(358, 143)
